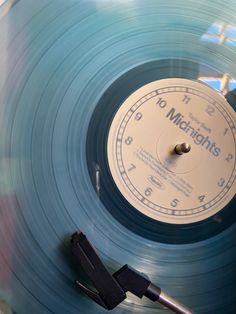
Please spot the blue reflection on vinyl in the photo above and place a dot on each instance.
(57, 59)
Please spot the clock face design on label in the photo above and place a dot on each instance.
(171, 151)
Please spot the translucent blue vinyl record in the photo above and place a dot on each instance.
(91, 94)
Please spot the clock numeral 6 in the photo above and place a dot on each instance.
(148, 191)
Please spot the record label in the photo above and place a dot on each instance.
(171, 151)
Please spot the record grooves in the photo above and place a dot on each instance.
(67, 69)
(114, 202)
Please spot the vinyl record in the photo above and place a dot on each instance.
(75, 77)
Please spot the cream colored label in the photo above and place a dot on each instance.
(154, 179)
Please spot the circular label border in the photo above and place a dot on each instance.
(118, 149)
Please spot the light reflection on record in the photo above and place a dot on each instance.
(58, 60)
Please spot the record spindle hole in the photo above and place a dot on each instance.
(182, 148)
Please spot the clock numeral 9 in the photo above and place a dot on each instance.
(138, 116)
